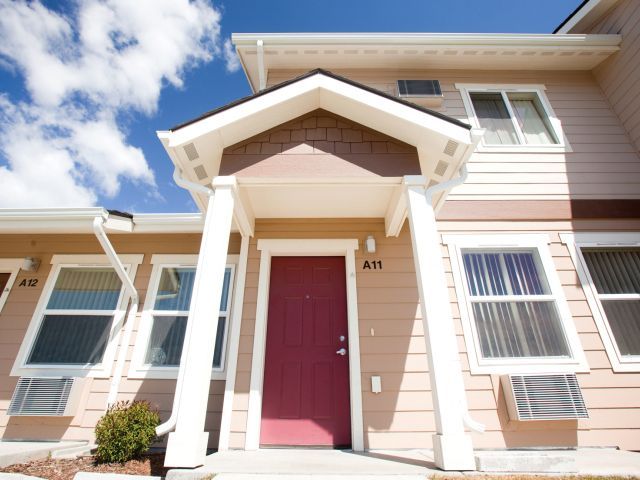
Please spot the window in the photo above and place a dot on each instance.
(77, 318)
(514, 117)
(165, 316)
(514, 309)
(609, 269)
(9, 268)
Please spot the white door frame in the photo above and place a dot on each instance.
(300, 248)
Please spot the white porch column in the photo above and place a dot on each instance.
(187, 445)
(452, 446)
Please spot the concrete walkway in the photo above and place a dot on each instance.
(284, 464)
(21, 452)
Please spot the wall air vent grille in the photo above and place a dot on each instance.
(544, 397)
(419, 88)
(191, 152)
(200, 172)
(450, 148)
(38, 396)
(441, 168)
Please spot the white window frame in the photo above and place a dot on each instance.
(575, 242)
(138, 368)
(100, 370)
(467, 88)
(12, 267)
(576, 362)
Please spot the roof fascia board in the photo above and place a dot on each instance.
(168, 223)
(443, 39)
(298, 97)
(50, 220)
(71, 220)
(585, 15)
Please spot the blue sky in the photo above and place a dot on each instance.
(84, 87)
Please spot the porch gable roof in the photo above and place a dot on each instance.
(196, 146)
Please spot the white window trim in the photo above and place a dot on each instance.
(478, 365)
(12, 267)
(539, 90)
(575, 242)
(101, 370)
(138, 369)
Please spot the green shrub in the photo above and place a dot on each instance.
(126, 431)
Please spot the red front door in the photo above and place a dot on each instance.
(306, 382)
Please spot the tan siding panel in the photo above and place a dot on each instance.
(19, 309)
(619, 75)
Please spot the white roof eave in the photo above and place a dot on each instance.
(422, 39)
(80, 220)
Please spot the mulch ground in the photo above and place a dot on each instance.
(152, 464)
(52, 469)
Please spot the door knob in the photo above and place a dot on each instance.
(342, 351)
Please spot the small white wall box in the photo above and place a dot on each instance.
(376, 384)
(543, 397)
(46, 396)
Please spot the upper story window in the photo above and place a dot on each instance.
(9, 268)
(514, 117)
(512, 304)
(76, 320)
(164, 319)
(609, 269)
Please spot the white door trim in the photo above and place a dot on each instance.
(312, 247)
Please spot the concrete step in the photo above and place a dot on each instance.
(527, 461)
(193, 475)
(73, 452)
(12, 452)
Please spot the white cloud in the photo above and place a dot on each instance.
(231, 60)
(63, 146)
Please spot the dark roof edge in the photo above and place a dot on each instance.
(120, 213)
(327, 73)
(571, 15)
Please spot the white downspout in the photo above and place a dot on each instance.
(170, 424)
(134, 298)
(468, 422)
(262, 75)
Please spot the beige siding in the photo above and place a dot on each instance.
(603, 162)
(613, 415)
(619, 75)
(391, 342)
(320, 144)
(19, 309)
(392, 346)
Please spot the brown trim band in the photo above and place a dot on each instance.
(538, 209)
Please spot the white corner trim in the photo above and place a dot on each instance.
(477, 365)
(575, 242)
(537, 89)
(12, 267)
(301, 247)
(137, 367)
(102, 370)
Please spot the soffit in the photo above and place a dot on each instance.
(424, 51)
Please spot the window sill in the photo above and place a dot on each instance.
(523, 149)
(169, 373)
(527, 367)
(625, 366)
(60, 371)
